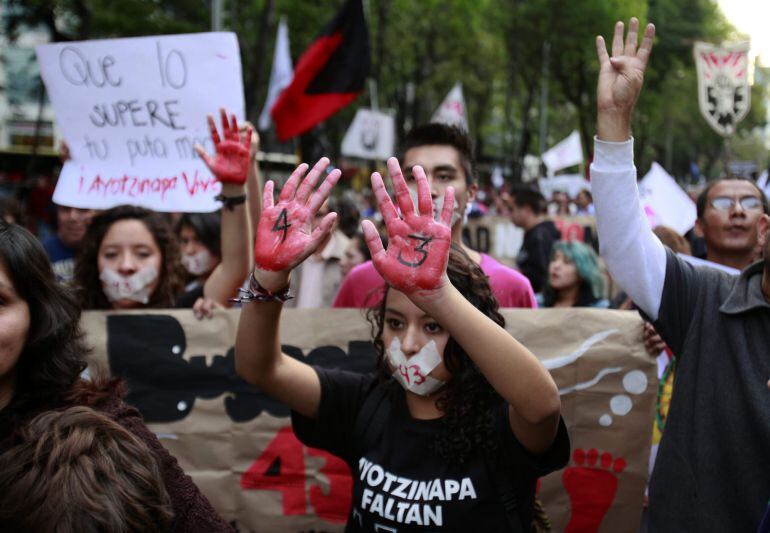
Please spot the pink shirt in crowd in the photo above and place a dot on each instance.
(363, 286)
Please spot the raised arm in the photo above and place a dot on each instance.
(634, 255)
(230, 166)
(253, 181)
(285, 238)
(415, 264)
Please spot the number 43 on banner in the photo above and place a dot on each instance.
(281, 467)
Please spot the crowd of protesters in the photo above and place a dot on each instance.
(705, 295)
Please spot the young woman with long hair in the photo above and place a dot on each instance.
(575, 277)
(459, 418)
(42, 356)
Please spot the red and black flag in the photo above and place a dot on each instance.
(330, 74)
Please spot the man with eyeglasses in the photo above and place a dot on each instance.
(713, 466)
(728, 212)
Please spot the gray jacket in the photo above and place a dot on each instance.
(713, 466)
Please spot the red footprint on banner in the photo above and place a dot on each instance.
(591, 484)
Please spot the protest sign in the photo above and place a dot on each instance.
(238, 445)
(665, 203)
(724, 92)
(131, 111)
(371, 135)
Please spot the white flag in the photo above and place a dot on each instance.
(567, 153)
(452, 110)
(763, 182)
(280, 75)
(371, 135)
(665, 203)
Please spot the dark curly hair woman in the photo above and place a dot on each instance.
(42, 356)
(130, 258)
(460, 419)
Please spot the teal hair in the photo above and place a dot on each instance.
(587, 264)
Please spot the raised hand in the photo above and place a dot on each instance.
(254, 140)
(418, 246)
(231, 161)
(620, 79)
(285, 236)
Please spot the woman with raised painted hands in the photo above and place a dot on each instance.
(457, 418)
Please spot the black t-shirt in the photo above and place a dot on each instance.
(187, 299)
(402, 485)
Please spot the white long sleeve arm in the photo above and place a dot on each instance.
(634, 255)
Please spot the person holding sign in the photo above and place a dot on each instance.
(712, 471)
(459, 420)
(131, 256)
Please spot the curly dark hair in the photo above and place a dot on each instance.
(86, 265)
(54, 354)
(469, 402)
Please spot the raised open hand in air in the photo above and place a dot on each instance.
(418, 245)
(230, 163)
(620, 79)
(285, 235)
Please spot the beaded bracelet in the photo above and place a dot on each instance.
(257, 293)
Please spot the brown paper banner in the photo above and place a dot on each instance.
(237, 444)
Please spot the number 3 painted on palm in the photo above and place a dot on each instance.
(403, 265)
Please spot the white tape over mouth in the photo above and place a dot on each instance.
(412, 373)
(135, 287)
(198, 263)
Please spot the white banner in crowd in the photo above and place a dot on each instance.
(572, 184)
(280, 76)
(131, 111)
(567, 153)
(371, 135)
(453, 110)
(665, 202)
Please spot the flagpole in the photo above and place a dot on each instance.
(374, 95)
(728, 154)
(544, 97)
(216, 15)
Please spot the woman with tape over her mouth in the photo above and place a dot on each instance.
(131, 257)
(458, 421)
